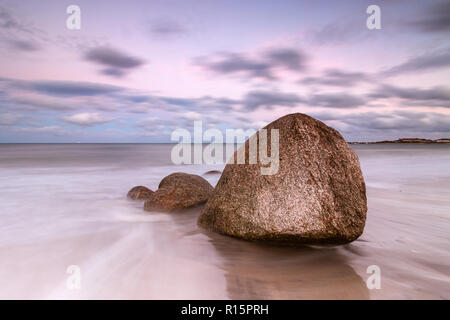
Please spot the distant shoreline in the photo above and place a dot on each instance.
(407, 140)
(402, 140)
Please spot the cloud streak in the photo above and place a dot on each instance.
(42, 102)
(269, 100)
(436, 18)
(335, 100)
(117, 63)
(426, 62)
(337, 78)
(436, 94)
(24, 45)
(62, 88)
(8, 21)
(263, 66)
(166, 28)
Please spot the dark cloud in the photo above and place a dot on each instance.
(232, 63)
(437, 94)
(380, 121)
(335, 100)
(270, 99)
(115, 72)
(266, 99)
(39, 102)
(426, 62)
(117, 62)
(184, 102)
(9, 22)
(406, 121)
(289, 58)
(24, 45)
(67, 88)
(226, 101)
(390, 124)
(436, 18)
(19, 35)
(202, 104)
(166, 27)
(6, 20)
(262, 66)
(137, 98)
(337, 78)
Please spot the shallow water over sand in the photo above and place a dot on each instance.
(65, 205)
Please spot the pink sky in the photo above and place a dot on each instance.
(136, 70)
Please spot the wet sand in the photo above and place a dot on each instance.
(180, 261)
(131, 254)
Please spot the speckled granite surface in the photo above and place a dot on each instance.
(318, 194)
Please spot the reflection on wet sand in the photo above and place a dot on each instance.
(263, 271)
(257, 271)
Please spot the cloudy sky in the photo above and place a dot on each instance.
(137, 70)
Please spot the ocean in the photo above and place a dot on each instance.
(64, 205)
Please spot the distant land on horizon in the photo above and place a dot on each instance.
(407, 140)
(401, 140)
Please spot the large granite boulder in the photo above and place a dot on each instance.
(178, 191)
(139, 193)
(318, 195)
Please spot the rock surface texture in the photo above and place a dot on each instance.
(139, 193)
(178, 191)
(318, 195)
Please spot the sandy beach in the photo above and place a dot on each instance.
(76, 214)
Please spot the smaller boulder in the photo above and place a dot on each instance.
(178, 191)
(212, 172)
(139, 193)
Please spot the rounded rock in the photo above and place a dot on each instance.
(178, 191)
(139, 193)
(317, 196)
